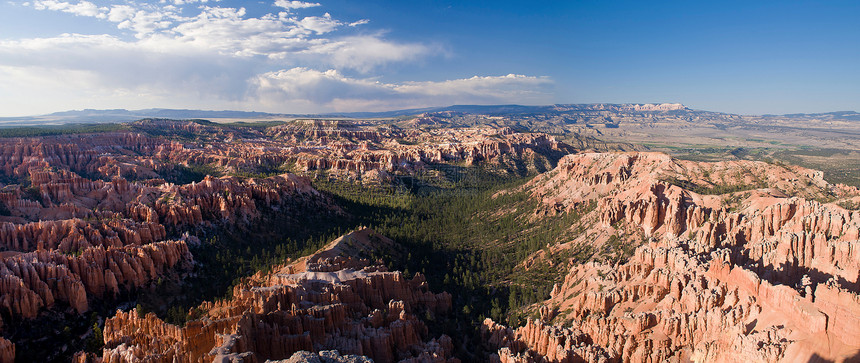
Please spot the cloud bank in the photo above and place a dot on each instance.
(340, 93)
(197, 54)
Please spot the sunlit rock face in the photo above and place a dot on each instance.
(746, 275)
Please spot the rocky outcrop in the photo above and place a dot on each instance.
(750, 274)
(348, 147)
(326, 356)
(72, 235)
(227, 198)
(308, 305)
(7, 351)
(34, 280)
(539, 342)
(123, 246)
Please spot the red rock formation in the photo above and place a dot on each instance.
(89, 215)
(537, 342)
(31, 281)
(352, 147)
(7, 351)
(307, 305)
(749, 275)
(72, 235)
(95, 237)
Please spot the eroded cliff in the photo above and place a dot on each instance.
(725, 274)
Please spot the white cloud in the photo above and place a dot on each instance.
(319, 24)
(295, 4)
(283, 37)
(366, 52)
(170, 54)
(510, 87)
(83, 8)
(145, 23)
(120, 13)
(335, 91)
(359, 22)
(183, 2)
(151, 74)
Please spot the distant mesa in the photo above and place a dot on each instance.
(90, 116)
(622, 107)
(123, 115)
(657, 107)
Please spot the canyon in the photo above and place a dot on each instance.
(569, 247)
(92, 218)
(68, 237)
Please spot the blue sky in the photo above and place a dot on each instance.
(747, 57)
